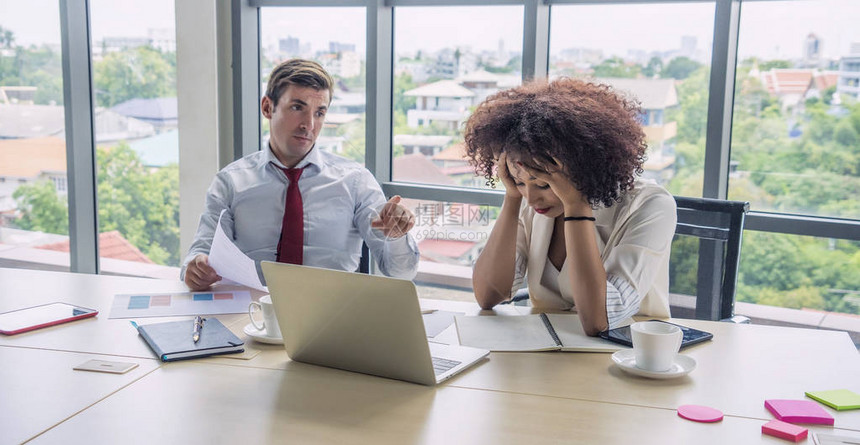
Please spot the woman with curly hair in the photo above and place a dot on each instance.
(577, 224)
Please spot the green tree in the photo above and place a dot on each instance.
(653, 68)
(684, 265)
(515, 64)
(616, 67)
(402, 83)
(845, 134)
(774, 64)
(42, 210)
(680, 68)
(817, 172)
(802, 297)
(691, 114)
(354, 139)
(142, 205)
(355, 83)
(141, 72)
(40, 67)
(7, 38)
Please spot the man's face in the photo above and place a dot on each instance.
(296, 122)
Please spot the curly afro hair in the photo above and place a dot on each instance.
(593, 132)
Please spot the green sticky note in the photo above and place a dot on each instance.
(840, 399)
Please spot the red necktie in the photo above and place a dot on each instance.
(293, 226)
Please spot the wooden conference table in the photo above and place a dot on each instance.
(548, 397)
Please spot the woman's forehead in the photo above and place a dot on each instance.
(519, 172)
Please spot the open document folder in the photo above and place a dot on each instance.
(522, 333)
(230, 262)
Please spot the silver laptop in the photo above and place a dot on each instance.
(358, 322)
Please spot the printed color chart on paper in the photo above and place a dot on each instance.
(179, 303)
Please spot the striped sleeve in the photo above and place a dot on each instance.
(622, 300)
(519, 274)
(522, 255)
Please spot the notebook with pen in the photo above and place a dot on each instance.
(536, 332)
(173, 340)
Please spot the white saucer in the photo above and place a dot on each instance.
(260, 335)
(627, 362)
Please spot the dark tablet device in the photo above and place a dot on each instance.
(691, 336)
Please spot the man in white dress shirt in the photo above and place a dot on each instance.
(339, 200)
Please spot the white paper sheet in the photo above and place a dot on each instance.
(230, 262)
(179, 303)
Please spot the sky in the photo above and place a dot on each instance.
(769, 29)
(38, 21)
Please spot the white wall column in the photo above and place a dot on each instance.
(197, 97)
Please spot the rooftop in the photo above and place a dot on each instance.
(158, 150)
(442, 88)
(345, 99)
(417, 168)
(456, 152)
(433, 249)
(422, 140)
(653, 94)
(111, 245)
(158, 108)
(787, 81)
(28, 158)
(33, 121)
(825, 80)
(479, 76)
(340, 118)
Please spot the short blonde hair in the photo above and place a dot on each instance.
(302, 72)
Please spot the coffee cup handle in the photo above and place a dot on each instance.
(251, 315)
(679, 340)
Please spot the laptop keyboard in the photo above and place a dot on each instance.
(441, 365)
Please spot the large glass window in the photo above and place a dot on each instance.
(334, 37)
(34, 221)
(800, 272)
(658, 54)
(447, 60)
(136, 134)
(450, 236)
(796, 130)
(796, 148)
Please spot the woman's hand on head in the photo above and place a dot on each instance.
(507, 179)
(554, 175)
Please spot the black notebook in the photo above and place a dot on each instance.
(172, 340)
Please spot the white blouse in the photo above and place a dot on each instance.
(634, 239)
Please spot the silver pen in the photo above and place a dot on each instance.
(198, 323)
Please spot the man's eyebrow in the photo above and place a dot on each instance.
(299, 101)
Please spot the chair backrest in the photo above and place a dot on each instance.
(718, 225)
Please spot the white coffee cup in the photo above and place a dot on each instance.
(655, 345)
(270, 321)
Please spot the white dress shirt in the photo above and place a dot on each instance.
(340, 199)
(634, 238)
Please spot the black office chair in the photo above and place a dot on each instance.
(719, 226)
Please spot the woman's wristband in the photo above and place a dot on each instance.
(580, 218)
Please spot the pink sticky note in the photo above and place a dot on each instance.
(798, 411)
(699, 413)
(787, 431)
